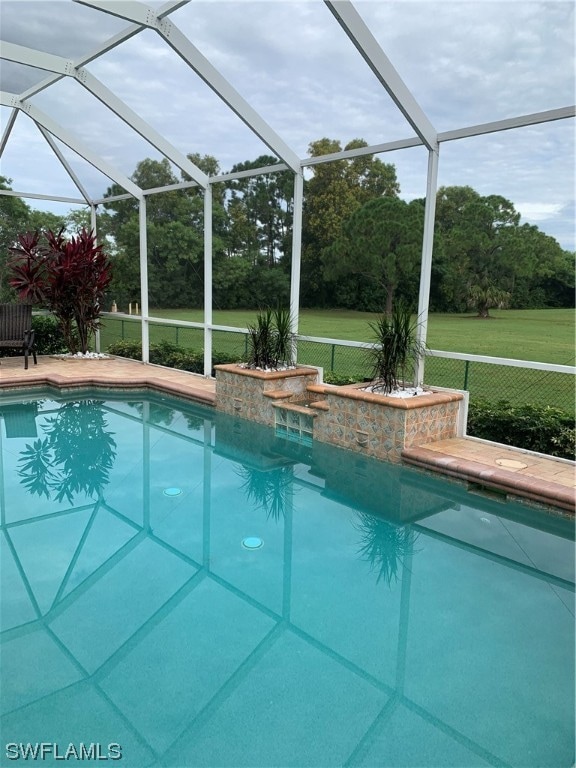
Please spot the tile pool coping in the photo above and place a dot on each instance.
(484, 475)
(116, 373)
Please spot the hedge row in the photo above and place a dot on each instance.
(168, 354)
(538, 428)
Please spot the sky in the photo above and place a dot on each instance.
(465, 62)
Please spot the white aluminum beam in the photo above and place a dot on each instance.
(35, 196)
(296, 256)
(54, 147)
(139, 13)
(142, 14)
(170, 188)
(218, 179)
(144, 308)
(511, 362)
(210, 75)
(251, 172)
(111, 43)
(112, 199)
(348, 154)
(22, 55)
(39, 117)
(426, 263)
(110, 100)
(208, 281)
(370, 50)
(508, 124)
(8, 130)
(34, 58)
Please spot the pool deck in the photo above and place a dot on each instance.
(518, 473)
(104, 372)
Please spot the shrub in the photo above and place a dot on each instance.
(48, 336)
(168, 354)
(538, 428)
(67, 277)
(339, 379)
(126, 348)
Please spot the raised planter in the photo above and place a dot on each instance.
(252, 394)
(381, 426)
(348, 417)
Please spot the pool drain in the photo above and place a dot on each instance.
(252, 542)
(172, 492)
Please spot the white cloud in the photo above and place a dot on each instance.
(538, 211)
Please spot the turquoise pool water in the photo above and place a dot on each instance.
(189, 590)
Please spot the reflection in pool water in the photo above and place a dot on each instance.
(389, 618)
(74, 457)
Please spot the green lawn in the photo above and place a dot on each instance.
(543, 335)
(535, 335)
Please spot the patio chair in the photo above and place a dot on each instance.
(16, 329)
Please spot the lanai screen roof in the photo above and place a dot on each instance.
(99, 86)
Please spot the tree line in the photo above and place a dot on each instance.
(361, 242)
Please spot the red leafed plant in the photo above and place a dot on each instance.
(67, 277)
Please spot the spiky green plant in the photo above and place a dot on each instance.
(284, 337)
(396, 348)
(261, 341)
(270, 339)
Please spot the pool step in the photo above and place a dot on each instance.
(295, 408)
(278, 394)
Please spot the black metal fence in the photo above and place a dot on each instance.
(494, 382)
(490, 381)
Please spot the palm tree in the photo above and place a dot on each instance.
(484, 294)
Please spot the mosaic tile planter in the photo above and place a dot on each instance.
(253, 394)
(382, 426)
(348, 417)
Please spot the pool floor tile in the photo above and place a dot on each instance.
(275, 712)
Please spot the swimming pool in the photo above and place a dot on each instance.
(185, 588)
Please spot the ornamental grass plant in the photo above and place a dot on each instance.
(396, 349)
(270, 340)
